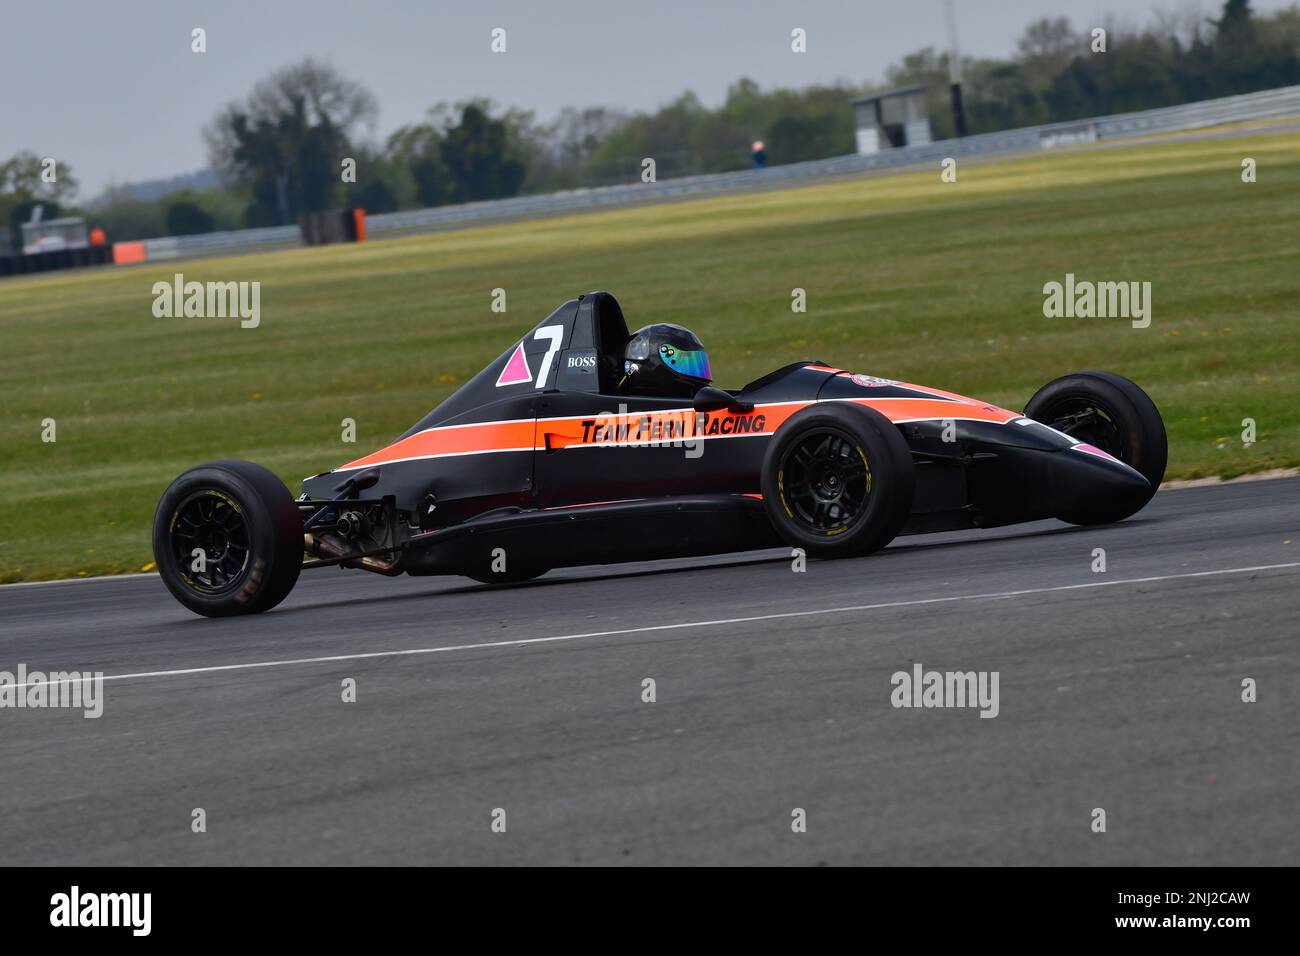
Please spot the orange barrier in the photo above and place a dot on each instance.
(359, 224)
(125, 253)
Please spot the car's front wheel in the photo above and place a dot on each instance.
(1109, 412)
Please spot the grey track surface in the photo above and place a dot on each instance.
(1125, 697)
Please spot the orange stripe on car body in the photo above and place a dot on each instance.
(614, 430)
(900, 410)
(475, 439)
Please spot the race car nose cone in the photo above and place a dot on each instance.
(1122, 482)
(1100, 481)
(1097, 481)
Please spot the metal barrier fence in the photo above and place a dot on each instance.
(173, 247)
(1269, 104)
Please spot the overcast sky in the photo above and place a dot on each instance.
(111, 87)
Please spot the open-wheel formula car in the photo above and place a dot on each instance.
(584, 444)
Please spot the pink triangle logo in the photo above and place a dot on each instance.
(516, 370)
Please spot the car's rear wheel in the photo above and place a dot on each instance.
(838, 481)
(1109, 412)
(227, 539)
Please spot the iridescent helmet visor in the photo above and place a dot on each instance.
(693, 364)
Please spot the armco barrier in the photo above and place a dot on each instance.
(209, 243)
(1269, 104)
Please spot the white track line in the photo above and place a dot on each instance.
(133, 576)
(524, 642)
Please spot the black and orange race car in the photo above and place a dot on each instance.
(545, 459)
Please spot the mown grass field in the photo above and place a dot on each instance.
(906, 277)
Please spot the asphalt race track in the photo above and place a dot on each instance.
(1118, 690)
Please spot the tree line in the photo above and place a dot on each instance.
(284, 149)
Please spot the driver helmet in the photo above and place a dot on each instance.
(665, 359)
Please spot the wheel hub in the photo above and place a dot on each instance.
(825, 481)
(210, 541)
(214, 543)
(829, 485)
(1086, 420)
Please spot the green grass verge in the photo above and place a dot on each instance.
(906, 277)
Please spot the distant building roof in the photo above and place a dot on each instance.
(47, 223)
(888, 94)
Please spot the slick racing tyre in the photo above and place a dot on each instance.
(1111, 413)
(227, 539)
(837, 480)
